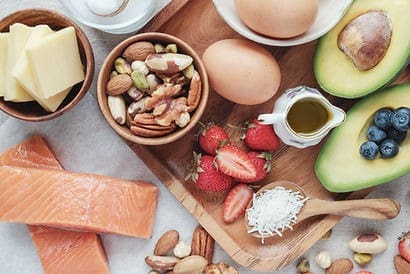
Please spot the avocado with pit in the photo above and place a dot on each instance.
(339, 165)
(366, 50)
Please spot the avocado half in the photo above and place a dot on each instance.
(339, 165)
(336, 73)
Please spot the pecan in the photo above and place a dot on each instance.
(144, 132)
(202, 244)
(194, 93)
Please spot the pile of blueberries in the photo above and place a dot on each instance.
(387, 133)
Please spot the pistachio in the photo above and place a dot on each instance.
(182, 250)
(189, 71)
(140, 66)
(159, 48)
(113, 74)
(138, 51)
(171, 48)
(140, 81)
(152, 82)
(116, 105)
(135, 108)
(303, 266)
(168, 63)
(323, 259)
(362, 258)
(135, 94)
(121, 66)
(371, 243)
(119, 84)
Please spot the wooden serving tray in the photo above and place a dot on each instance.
(198, 23)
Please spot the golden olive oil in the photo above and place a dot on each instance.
(307, 116)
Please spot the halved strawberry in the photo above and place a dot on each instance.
(203, 172)
(236, 202)
(262, 162)
(404, 246)
(234, 162)
(211, 137)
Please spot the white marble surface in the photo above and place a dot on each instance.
(83, 142)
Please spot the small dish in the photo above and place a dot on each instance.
(31, 111)
(330, 12)
(104, 77)
(131, 18)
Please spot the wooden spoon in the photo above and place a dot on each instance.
(377, 209)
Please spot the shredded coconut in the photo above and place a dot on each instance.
(274, 210)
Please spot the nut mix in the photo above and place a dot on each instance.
(159, 87)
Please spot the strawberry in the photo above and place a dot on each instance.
(211, 137)
(206, 176)
(234, 162)
(404, 246)
(236, 202)
(262, 162)
(260, 137)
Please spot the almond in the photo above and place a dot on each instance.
(191, 264)
(401, 265)
(202, 244)
(166, 243)
(119, 84)
(138, 51)
(161, 263)
(340, 266)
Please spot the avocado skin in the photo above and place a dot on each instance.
(339, 165)
(334, 79)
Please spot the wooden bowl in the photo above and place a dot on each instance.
(32, 111)
(104, 76)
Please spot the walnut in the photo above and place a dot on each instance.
(220, 268)
(194, 93)
(161, 94)
(175, 108)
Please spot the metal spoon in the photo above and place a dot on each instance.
(377, 209)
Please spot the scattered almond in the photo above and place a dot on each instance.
(340, 266)
(202, 244)
(166, 243)
(138, 51)
(119, 84)
(401, 265)
(161, 263)
(191, 264)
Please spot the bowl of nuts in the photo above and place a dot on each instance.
(152, 88)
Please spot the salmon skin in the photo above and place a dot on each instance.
(60, 251)
(77, 201)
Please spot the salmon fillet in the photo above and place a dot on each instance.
(60, 251)
(77, 201)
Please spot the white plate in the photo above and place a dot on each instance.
(330, 12)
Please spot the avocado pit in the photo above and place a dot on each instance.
(366, 38)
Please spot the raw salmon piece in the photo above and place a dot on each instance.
(77, 201)
(60, 251)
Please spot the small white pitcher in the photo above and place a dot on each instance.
(302, 116)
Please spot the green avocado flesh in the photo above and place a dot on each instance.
(335, 71)
(339, 165)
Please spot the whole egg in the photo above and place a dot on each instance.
(242, 71)
(278, 18)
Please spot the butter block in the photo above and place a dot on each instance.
(19, 34)
(3, 60)
(23, 74)
(55, 62)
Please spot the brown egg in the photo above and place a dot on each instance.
(242, 71)
(278, 18)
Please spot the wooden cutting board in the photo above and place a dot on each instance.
(198, 23)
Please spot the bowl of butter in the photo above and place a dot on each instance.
(46, 64)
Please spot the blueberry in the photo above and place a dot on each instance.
(400, 118)
(376, 135)
(396, 135)
(389, 148)
(382, 118)
(369, 150)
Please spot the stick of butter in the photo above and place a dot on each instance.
(23, 74)
(3, 60)
(55, 62)
(18, 37)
